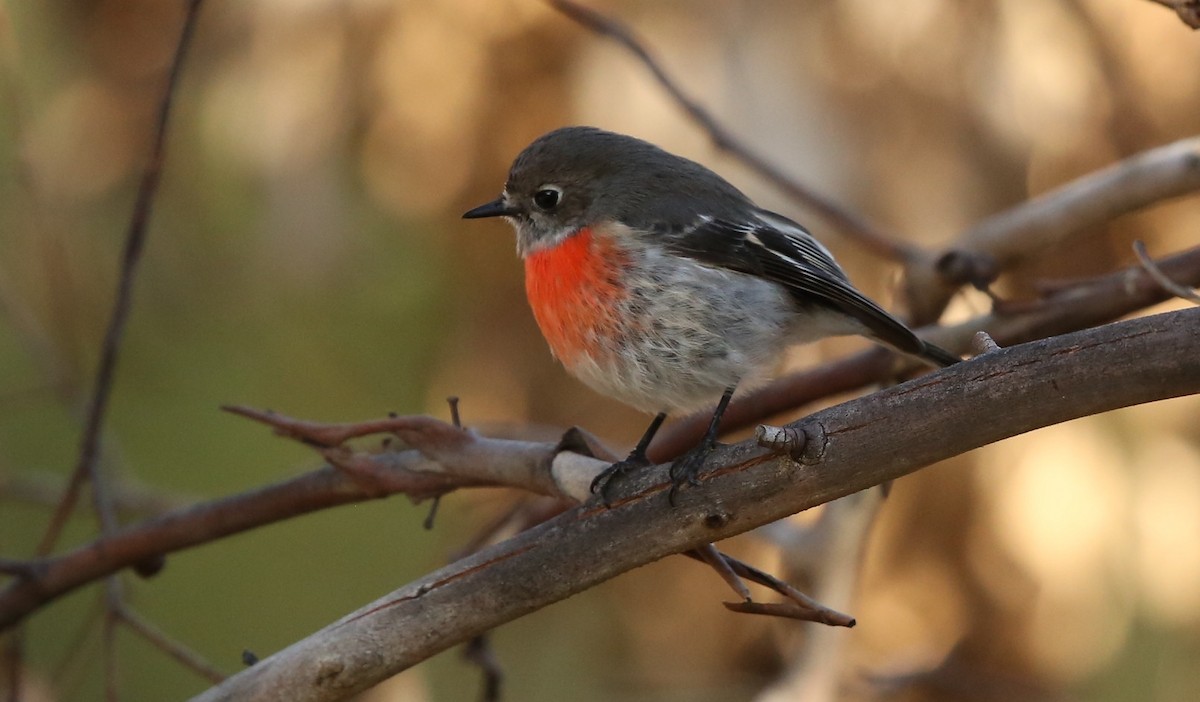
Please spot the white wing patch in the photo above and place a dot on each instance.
(807, 251)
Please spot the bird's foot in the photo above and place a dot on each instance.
(687, 468)
(602, 482)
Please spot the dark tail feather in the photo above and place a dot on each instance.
(937, 355)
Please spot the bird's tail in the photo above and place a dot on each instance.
(937, 355)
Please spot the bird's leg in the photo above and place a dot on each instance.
(635, 459)
(686, 468)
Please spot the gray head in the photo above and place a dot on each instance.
(574, 177)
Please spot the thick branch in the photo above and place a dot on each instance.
(861, 443)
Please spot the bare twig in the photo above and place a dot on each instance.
(1161, 278)
(937, 416)
(520, 463)
(800, 606)
(817, 612)
(849, 222)
(709, 555)
(86, 468)
(1031, 227)
(181, 653)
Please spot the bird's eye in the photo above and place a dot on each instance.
(547, 198)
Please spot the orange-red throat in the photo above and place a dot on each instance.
(575, 291)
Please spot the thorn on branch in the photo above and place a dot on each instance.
(249, 657)
(455, 419)
(1161, 278)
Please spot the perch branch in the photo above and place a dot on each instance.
(957, 409)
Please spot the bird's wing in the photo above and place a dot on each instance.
(775, 248)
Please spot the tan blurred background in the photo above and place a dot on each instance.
(306, 255)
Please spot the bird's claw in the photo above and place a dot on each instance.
(687, 469)
(601, 482)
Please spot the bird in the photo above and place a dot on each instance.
(658, 283)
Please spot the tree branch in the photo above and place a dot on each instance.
(1002, 240)
(957, 409)
(446, 458)
(135, 240)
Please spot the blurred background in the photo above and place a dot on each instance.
(306, 254)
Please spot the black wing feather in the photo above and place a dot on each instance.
(779, 250)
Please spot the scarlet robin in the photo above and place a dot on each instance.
(658, 283)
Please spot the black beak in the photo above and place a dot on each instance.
(495, 208)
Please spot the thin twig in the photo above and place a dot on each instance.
(709, 555)
(801, 606)
(1155, 272)
(849, 222)
(86, 468)
(185, 656)
(1026, 230)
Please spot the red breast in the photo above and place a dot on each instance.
(575, 291)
